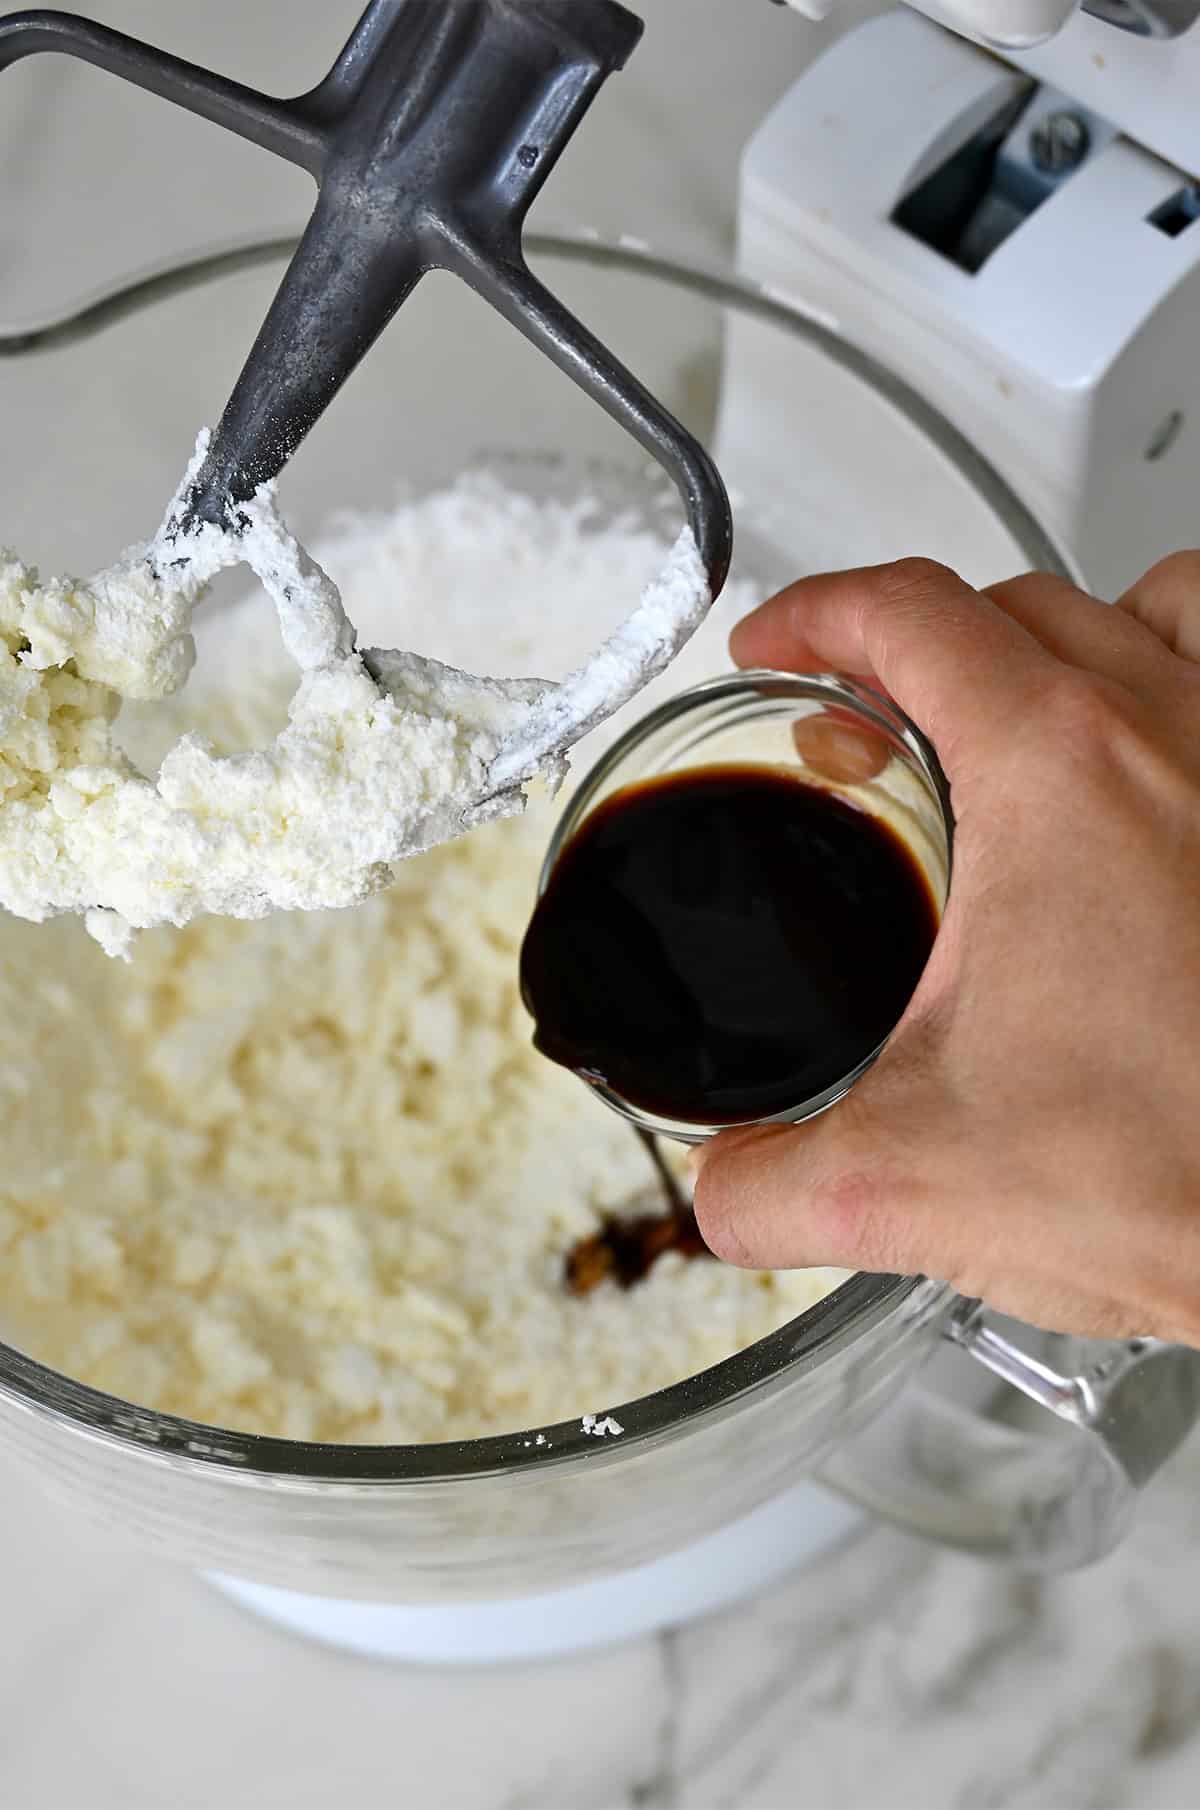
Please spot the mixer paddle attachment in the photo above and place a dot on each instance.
(428, 139)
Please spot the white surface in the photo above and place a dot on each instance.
(880, 1680)
(727, 1567)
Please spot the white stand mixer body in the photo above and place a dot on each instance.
(1067, 356)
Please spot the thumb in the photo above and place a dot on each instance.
(844, 1190)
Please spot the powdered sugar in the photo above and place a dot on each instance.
(384, 754)
(673, 606)
(598, 1425)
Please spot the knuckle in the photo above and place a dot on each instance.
(1090, 717)
(916, 579)
(1096, 742)
(1167, 600)
(1021, 584)
(1178, 571)
(862, 1218)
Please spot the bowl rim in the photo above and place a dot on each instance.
(810, 1339)
(710, 278)
(803, 1344)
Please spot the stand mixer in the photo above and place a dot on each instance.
(820, 222)
(1005, 210)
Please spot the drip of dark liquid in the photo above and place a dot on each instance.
(722, 944)
(626, 1250)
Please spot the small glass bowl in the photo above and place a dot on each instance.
(831, 732)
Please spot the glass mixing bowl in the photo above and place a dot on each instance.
(100, 412)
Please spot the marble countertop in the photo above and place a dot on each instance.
(888, 1676)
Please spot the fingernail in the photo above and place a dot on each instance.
(839, 750)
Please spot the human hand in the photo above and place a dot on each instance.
(1031, 1132)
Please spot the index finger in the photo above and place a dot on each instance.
(951, 658)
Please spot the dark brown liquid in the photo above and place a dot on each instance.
(626, 1250)
(721, 944)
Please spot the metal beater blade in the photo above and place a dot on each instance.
(428, 140)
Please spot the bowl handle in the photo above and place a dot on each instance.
(968, 1479)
